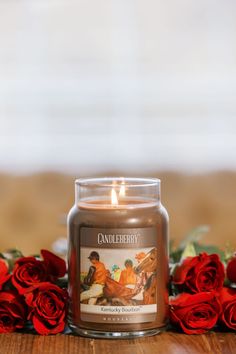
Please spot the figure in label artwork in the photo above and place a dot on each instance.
(95, 279)
(116, 272)
(135, 284)
(128, 276)
(146, 270)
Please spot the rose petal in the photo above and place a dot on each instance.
(195, 313)
(41, 327)
(56, 266)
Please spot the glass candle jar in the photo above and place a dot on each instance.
(118, 258)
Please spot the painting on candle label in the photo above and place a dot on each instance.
(118, 282)
(118, 275)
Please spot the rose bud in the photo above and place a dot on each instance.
(228, 302)
(47, 307)
(12, 312)
(231, 270)
(4, 275)
(195, 314)
(200, 273)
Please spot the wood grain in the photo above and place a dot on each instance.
(31, 207)
(165, 343)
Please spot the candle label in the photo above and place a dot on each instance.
(118, 275)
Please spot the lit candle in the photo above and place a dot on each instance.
(114, 200)
(117, 260)
(122, 189)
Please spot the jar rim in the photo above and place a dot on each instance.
(113, 181)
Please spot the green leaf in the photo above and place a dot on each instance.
(62, 282)
(229, 252)
(194, 235)
(209, 249)
(11, 263)
(37, 256)
(176, 255)
(189, 251)
(13, 253)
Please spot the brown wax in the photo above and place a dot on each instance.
(128, 214)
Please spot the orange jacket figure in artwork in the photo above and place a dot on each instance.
(95, 278)
(100, 273)
(128, 276)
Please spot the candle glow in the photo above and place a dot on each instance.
(122, 189)
(114, 199)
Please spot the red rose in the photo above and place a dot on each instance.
(4, 275)
(228, 302)
(47, 305)
(29, 271)
(201, 273)
(196, 313)
(12, 312)
(231, 270)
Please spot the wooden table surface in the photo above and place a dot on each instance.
(166, 343)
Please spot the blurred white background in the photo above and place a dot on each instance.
(92, 86)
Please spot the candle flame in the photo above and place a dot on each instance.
(114, 199)
(122, 189)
